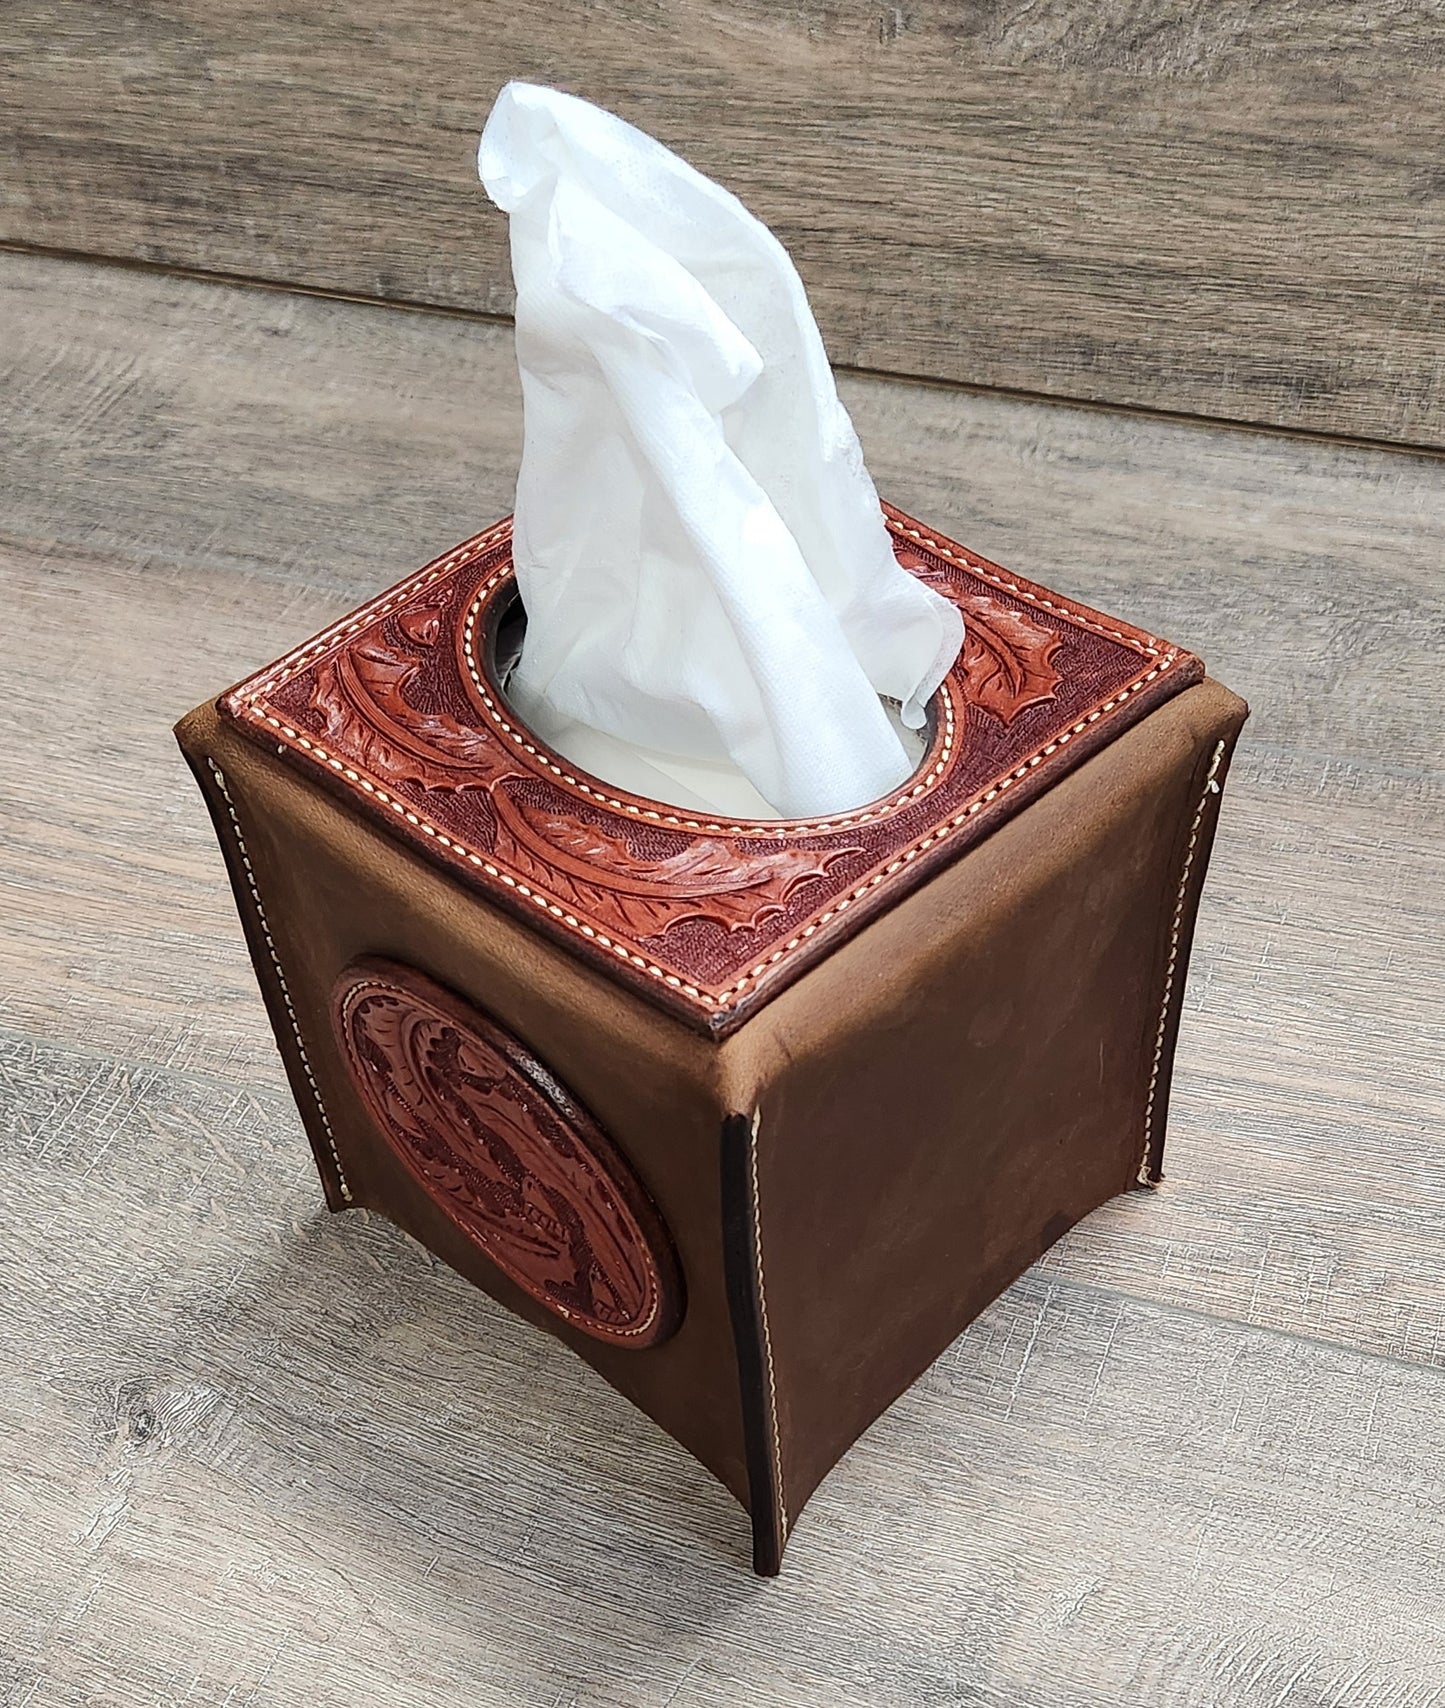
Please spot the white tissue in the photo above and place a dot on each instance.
(699, 548)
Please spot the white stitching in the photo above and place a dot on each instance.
(1211, 787)
(305, 1060)
(471, 548)
(948, 829)
(757, 1122)
(467, 854)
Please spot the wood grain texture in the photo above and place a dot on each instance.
(252, 1454)
(308, 1466)
(1226, 209)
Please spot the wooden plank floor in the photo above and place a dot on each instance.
(252, 1454)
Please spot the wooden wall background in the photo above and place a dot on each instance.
(1229, 208)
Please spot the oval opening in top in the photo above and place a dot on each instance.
(716, 789)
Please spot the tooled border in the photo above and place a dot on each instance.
(249, 702)
(585, 1325)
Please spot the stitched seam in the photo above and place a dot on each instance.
(357, 1066)
(305, 1060)
(712, 999)
(468, 549)
(733, 827)
(1211, 787)
(767, 1335)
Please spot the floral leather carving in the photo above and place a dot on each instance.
(361, 695)
(398, 708)
(708, 879)
(509, 1155)
(1006, 656)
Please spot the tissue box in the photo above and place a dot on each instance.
(756, 1117)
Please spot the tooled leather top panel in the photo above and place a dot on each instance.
(397, 708)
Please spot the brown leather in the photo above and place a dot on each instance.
(881, 1136)
(398, 706)
(333, 890)
(947, 1095)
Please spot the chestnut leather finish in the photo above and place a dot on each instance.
(844, 1157)
(399, 707)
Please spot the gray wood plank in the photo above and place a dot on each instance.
(270, 1457)
(250, 1453)
(1230, 210)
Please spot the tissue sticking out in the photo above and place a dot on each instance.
(715, 616)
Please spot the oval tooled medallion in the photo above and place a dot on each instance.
(509, 1155)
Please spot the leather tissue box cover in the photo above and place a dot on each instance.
(755, 1116)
